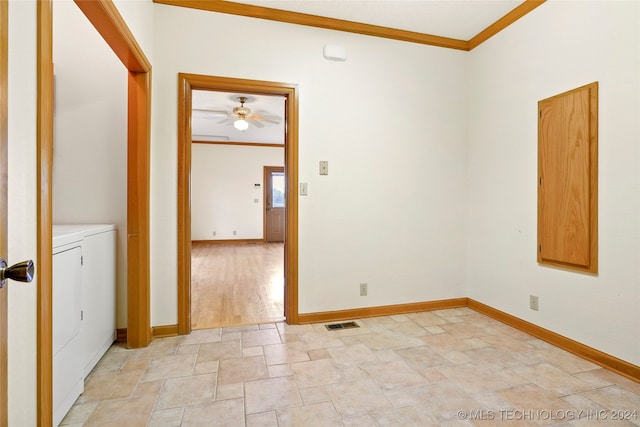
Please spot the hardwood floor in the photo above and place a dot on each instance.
(235, 284)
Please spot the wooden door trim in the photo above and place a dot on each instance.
(4, 110)
(186, 83)
(266, 171)
(104, 16)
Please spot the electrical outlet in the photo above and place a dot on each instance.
(324, 167)
(234, 232)
(214, 234)
(363, 289)
(533, 302)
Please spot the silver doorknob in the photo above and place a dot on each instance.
(20, 272)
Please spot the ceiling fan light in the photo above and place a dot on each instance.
(241, 124)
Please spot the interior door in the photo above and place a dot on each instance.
(4, 12)
(24, 270)
(274, 203)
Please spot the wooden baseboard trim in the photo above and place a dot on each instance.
(121, 335)
(230, 241)
(605, 360)
(386, 310)
(156, 332)
(164, 331)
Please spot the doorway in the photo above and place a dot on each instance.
(274, 204)
(187, 83)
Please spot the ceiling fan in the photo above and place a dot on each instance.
(241, 117)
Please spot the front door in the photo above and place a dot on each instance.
(274, 203)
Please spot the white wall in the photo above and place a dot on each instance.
(391, 123)
(90, 133)
(22, 194)
(557, 47)
(223, 191)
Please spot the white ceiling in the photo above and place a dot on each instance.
(206, 125)
(458, 19)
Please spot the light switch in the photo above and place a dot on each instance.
(324, 167)
(303, 188)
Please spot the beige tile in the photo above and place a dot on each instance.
(465, 330)
(278, 354)
(383, 340)
(252, 351)
(352, 354)
(206, 367)
(112, 361)
(530, 397)
(79, 413)
(224, 414)
(157, 348)
(412, 416)
(315, 373)
(314, 340)
(110, 386)
(202, 336)
(166, 417)
(393, 374)
(489, 358)
(319, 353)
(187, 391)
(260, 337)
(616, 398)
(606, 377)
(314, 395)
(552, 379)
(413, 369)
(508, 343)
(126, 412)
(444, 400)
(218, 351)
(233, 371)
(279, 370)
(475, 380)
(188, 349)
(426, 318)
(175, 365)
(421, 357)
(357, 398)
(151, 387)
(265, 419)
(359, 421)
(230, 391)
(271, 394)
(446, 342)
(315, 415)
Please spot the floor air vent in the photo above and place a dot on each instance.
(345, 325)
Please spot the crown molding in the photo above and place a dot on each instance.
(279, 15)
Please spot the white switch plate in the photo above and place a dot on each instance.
(324, 167)
(303, 188)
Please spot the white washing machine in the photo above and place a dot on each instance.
(68, 382)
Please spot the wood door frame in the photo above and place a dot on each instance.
(266, 171)
(4, 125)
(106, 19)
(187, 83)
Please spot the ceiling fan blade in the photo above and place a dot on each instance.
(256, 123)
(270, 118)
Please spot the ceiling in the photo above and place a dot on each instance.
(210, 108)
(457, 19)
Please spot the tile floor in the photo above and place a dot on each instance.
(438, 368)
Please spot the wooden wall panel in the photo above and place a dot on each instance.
(568, 180)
